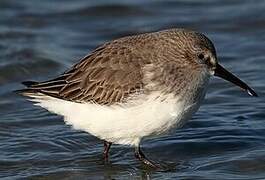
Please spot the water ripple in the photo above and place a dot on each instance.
(40, 39)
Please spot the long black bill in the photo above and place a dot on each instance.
(223, 73)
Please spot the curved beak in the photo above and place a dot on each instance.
(223, 73)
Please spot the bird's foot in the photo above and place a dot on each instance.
(157, 166)
(107, 146)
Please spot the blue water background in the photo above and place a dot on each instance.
(40, 39)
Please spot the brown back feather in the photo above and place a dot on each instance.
(107, 76)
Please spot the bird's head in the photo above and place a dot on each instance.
(200, 51)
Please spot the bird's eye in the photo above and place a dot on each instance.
(201, 56)
(208, 61)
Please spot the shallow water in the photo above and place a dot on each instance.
(40, 39)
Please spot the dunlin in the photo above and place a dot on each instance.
(134, 87)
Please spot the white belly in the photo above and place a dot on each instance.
(126, 124)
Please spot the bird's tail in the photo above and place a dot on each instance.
(29, 83)
(27, 90)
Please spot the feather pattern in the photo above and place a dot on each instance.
(116, 70)
(106, 76)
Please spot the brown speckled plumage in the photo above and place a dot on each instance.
(116, 70)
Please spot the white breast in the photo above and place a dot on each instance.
(123, 124)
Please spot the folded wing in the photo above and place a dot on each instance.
(109, 75)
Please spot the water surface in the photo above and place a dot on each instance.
(40, 39)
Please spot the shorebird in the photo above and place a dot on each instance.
(134, 87)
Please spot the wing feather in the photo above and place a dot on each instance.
(109, 75)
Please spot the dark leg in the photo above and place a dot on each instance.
(140, 156)
(106, 150)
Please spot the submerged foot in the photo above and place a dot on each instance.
(140, 156)
(107, 146)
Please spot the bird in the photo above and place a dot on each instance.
(134, 87)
